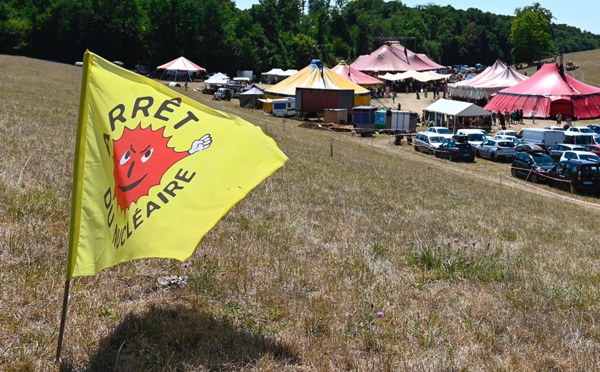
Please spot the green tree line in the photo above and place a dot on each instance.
(274, 33)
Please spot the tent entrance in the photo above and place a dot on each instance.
(564, 106)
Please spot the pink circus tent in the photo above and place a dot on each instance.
(549, 92)
(354, 75)
(181, 64)
(394, 57)
(493, 79)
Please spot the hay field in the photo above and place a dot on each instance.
(356, 255)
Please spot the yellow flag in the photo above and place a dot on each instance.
(154, 170)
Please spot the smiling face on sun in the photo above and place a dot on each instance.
(141, 158)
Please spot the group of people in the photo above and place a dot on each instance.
(568, 122)
(513, 117)
(437, 88)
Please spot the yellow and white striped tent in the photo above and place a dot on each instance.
(315, 75)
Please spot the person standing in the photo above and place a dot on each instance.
(521, 116)
(558, 118)
(501, 118)
(533, 116)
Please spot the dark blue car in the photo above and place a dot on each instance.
(455, 151)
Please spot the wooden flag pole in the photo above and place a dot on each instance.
(63, 320)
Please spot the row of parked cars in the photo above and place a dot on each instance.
(572, 166)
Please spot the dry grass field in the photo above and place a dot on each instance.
(357, 255)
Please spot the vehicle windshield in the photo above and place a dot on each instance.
(509, 133)
(590, 169)
(583, 140)
(586, 130)
(542, 159)
(437, 139)
(589, 157)
(444, 131)
(506, 144)
(476, 137)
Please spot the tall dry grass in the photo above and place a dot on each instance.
(356, 255)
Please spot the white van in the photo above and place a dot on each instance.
(428, 142)
(476, 136)
(546, 137)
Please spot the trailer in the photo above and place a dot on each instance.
(284, 107)
(403, 121)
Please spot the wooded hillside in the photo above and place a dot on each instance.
(274, 33)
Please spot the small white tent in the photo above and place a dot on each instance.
(455, 109)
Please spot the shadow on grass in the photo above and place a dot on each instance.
(180, 338)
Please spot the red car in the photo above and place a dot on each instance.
(593, 148)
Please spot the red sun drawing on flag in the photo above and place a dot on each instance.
(141, 158)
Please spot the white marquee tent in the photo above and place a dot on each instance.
(456, 108)
(411, 74)
(493, 79)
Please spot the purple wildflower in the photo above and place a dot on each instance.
(185, 265)
(485, 255)
(468, 263)
(455, 240)
(380, 314)
(465, 246)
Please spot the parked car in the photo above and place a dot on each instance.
(512, 133)
(428, 142)
(578, 138)
(579, 155)
(530, 147)
(553, 127)
(476, 136)
(595, 128)
(581, 129)
(532, 166)
(223, 93)
(441, 131)
(556, 151)
(581, 176)
(495, 149)
(509, 138)
(594, 149)
(581, 136)
(455, 151)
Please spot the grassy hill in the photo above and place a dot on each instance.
(588, 71)
(470, 269)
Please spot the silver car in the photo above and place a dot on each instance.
(495, 149)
